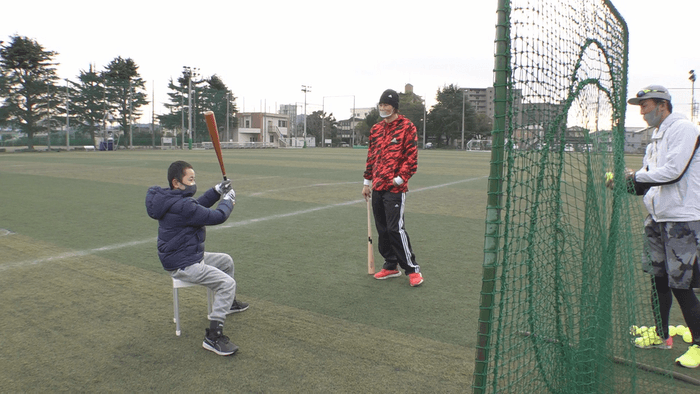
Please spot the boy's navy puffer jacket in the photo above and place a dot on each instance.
(181, 223)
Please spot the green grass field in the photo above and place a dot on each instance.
(87, 307)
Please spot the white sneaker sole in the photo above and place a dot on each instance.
(686, 366)
(220, 353)
(389, 276)
(230, 311)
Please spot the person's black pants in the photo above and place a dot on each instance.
(394, 243)
(687, 300)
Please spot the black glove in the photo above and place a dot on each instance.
(223, 187)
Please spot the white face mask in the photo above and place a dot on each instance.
(385, 114)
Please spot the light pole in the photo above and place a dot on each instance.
(305, 89)
(48, 129)
(182, 126)
(190, 73)
(228, 100)
(131, 119)
(104, 118)
(297, 104)
(692, 95)
(463, 103)
(353, 121)
(153, 115)
(67, 117)
(189, 107)
(424, 116)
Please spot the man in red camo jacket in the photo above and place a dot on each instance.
(392, 159)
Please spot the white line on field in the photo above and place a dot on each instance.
(19, 264)
(300, 187)
(235, 180)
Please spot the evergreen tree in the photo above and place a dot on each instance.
(363, 128)
(30, 97)
(125, 92)
(313, 126)
(175, 119)
(445, 118)
(88, 104)
(412, 106)
(482, 126)
(215, 96)
(212, 95)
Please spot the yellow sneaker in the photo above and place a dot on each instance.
(691, 358)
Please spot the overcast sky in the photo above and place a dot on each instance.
(265, 50)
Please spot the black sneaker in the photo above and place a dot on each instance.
(218, 343)
(237, 306)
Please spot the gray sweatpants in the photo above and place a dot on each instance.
(215, 271)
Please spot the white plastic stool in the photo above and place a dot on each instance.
(178, 284)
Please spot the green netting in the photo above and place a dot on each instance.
(562, 275)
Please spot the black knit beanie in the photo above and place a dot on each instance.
(390, 97)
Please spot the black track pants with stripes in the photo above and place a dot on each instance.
(394, 243)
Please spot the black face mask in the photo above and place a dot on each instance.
(190, 190)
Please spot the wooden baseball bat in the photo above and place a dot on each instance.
(214, 134)
(370, 250)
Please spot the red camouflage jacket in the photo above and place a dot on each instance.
(392, 152)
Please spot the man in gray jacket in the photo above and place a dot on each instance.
(670, 182)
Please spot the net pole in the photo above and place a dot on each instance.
(602, 336)
(495, 191)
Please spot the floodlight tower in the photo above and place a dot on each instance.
(228, 101)
(692, 95)
(305, 89)
(425, 114)
(464, 92)
(67, 117)
(190, 73)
